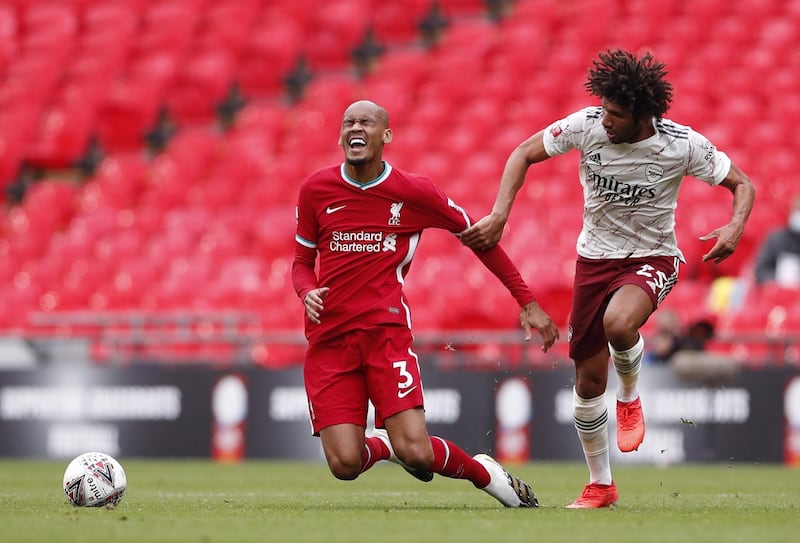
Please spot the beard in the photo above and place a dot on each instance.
(356, 161)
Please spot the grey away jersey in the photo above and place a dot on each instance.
(630, 190)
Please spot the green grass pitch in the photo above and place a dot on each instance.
(202, 502)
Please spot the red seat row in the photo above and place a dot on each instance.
(208, 222)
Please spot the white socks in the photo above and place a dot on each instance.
(591, 415)
(628, 363)
(591, 422)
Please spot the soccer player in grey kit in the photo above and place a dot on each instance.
(632, 163)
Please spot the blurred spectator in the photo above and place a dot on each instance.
(665, 339)
(670, 338)
(693, 363)
(698, 333)
(779, 257)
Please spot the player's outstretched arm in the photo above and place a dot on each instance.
(728, 236)
(533, 316)
(485, 233)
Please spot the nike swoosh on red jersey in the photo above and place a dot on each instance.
(403, 393)
(330, 209)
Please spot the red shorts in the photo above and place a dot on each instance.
(595, 282)
(373, 364)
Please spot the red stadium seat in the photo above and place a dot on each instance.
(335, 30)
(267, 116)
(49, 26)
(223, 188)
(476, 170)
(396, 22)
(772, 295)
(333, 93)
(11, 152)
(222, 242)
(121, 177)
(659, 11)
(168, 25)
(710, 9)
(17, 306)
(227, 25)
(475, 38)
(202, 82)
(459, 8)
(791, 324)
(132, 281)
(549, 12)
(63, 136)
(121, 17)
(447, 91)
(9, 27)
(274, 229)
(192, 221)
(51, 202)
(778, 35)
(182, 166)
(31, 79)
(407, 68)
(271, 51)
(315, 126)
(239, 284)
(131, 111)
(750, 320)
(689, 299)
(186, 278)
(282, 310)
(94, 68)
(76, 242)
(170, 244)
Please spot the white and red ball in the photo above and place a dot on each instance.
(94, 479)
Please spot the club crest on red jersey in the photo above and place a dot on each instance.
(394, 209)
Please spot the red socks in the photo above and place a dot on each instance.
(374, 450)
(451, 461)
(448, 460)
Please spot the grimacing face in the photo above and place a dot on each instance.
(364, 133)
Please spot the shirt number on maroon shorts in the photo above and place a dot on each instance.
(657, 282)
(404, 387)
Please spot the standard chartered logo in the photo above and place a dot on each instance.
(362, 242)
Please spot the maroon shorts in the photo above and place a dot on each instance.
(373, 364)
(595, 282)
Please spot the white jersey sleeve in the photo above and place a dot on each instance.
(566, 134)
(705, 162)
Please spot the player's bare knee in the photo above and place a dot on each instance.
(345, 471)
(621, 330)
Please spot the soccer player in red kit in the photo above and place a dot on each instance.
(364, 219)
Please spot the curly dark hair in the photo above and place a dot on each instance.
(636, 84)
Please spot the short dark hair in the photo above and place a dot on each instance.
(636, 84)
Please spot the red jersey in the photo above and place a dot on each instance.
(366, 235)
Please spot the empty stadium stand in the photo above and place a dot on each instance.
(135, 214)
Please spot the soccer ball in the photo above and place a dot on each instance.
(94, 479)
